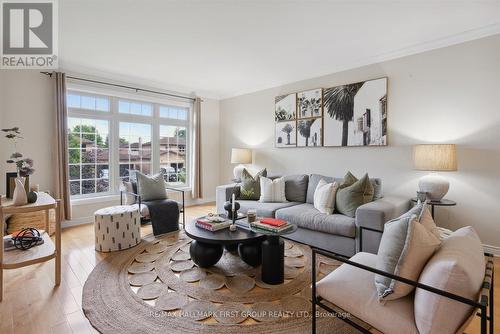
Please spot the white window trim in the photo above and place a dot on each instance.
(114, 118)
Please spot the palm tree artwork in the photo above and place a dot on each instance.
(339, 104)
(304, 128)
(287, 129)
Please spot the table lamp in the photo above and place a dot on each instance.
(240, 156)
(435, 158)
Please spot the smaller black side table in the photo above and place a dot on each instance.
(273, 256)
(443, 202)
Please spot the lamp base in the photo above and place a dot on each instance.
(237, 172)
(434, 185)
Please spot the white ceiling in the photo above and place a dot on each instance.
(226, 48)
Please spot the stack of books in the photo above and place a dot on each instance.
(243, 223)
(271, 225)
(213, 223)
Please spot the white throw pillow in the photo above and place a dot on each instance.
(324, 196)
(272, 190)
(128, 188)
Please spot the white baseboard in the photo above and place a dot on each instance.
(495, 250)
(77, 221)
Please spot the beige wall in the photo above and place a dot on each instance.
(26, 100)
(446, 95)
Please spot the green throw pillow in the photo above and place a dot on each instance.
(151, 187)
(352, 196)
(250, 186)
(349, 179)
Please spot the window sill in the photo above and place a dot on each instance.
(110, 197)
(95, 199)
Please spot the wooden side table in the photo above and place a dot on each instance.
(443, 202)
(47, 251)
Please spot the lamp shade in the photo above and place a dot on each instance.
(241, 156)
(435, 157)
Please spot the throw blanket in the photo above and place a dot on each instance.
(164, 214)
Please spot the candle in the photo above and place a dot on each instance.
(233, 200)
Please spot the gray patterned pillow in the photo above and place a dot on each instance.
(250, 186)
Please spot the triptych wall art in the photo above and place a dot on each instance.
(348, 115)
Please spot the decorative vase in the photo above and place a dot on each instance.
(435, 186)
(19, 197)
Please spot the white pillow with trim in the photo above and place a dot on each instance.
(272, 190)
(324, 196)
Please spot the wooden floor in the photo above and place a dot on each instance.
(32, 305)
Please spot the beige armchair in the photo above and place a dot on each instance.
(429, 310)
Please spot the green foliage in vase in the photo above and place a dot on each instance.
(23, 165)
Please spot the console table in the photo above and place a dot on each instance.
(47, 251)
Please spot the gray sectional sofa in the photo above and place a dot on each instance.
(336, 232)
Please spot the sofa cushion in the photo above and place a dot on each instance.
(352, 195)
(313, 183)
(314, 179)
(250, 185)
(457, 267)
(296, 187)
(305, 215)
(263, 209)
(352, 290)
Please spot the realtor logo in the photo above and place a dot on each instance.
(29, 31)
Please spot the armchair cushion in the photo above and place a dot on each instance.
(457, 267)
(405, 247)
(352, 289)
(151, 188)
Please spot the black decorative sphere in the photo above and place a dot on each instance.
(32, 197)
(228, 207)
(204, 254)
(251, 254)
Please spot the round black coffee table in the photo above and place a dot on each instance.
(207, 247)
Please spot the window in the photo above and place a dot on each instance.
(88, 102)
(173, 153)
(88, 145)
(173, 112)
(135, 108)
(112, 135)
(135, 148)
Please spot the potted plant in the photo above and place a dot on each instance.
(24, 167)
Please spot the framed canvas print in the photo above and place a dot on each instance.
(356, 114)
(309, 132)
(286, 134)
(310, 103)
(285, 107)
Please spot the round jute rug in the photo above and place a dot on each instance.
(155, 288)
